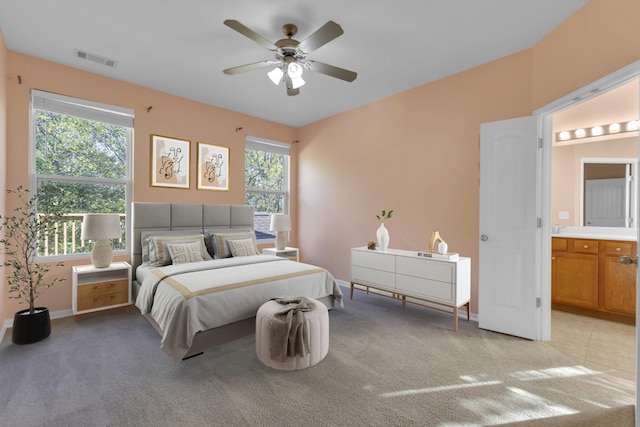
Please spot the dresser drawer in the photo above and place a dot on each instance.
(103, 294)
(585, 246)
(425, 288)
(618, 248)
(426, 269)
(378, 278)
(374, 260)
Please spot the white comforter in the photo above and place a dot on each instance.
(187, 298)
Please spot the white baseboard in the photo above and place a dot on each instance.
(53, 315)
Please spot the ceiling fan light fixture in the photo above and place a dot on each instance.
(276, 75)
(295, 71)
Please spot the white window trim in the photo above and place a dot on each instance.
(88, 110)
(277, 147)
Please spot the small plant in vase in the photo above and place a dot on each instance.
(382, 234)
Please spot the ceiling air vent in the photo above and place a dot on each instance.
(95, 58)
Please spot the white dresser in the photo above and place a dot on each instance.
(405, 276)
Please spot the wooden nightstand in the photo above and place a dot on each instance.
(97, 289)
(292, 253)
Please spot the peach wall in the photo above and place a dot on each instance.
(565, 184)
(3, 156)
(418, 152)
(601, 37)
(170, 115)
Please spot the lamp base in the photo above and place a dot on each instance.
(281, 240)
(102, 254)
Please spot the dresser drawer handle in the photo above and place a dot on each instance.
(618, 249)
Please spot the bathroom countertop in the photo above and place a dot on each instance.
(596, 236)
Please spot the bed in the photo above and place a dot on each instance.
(198, 279)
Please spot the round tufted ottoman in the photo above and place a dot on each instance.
(317, 323)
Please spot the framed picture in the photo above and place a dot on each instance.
(170, 162)
(213, 167)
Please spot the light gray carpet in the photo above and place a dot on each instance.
(386, 367)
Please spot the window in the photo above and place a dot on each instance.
(266, 182)
(80, 163)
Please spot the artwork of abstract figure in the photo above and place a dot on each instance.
(213, 167)
(169, 162)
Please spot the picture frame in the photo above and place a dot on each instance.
(213, 167)
(170, 158)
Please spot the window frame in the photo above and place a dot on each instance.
(277, 147)
(70, 106)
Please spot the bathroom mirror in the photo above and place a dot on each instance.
(608, 192)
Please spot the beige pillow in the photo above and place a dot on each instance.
(159, 255)
(221, 242)
(242, 247)
(182, 253)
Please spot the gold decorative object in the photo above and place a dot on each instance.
(371, 246)
(435, 237)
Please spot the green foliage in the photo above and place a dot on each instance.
(385, 215)
(19, 243)
(85, 168)
(265, 180)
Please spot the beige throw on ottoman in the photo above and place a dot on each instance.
(293, 333)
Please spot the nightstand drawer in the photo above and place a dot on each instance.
(103, 294)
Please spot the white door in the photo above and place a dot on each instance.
(606, 202)
(508, 227)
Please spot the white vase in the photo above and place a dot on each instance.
(443, 247)
(383, 238)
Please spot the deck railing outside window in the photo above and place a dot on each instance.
(64, 237)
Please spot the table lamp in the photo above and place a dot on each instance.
(281, 224)
(101, 228)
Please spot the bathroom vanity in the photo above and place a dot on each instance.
(587, 277)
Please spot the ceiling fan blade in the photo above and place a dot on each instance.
(290, 90)
(322, 36)
(330, 70)
(247, 32)
(249, 67)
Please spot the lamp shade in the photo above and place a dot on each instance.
(280, 222)
(100, 227)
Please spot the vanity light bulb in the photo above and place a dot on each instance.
(565, 135)
(596, 131)
(632, 125)
(580, 133)
(614, 128)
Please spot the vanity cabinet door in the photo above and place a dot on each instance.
(619, 280)
(576, 279)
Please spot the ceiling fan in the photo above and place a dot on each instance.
(290, 55)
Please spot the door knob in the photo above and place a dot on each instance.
(484, 237)
(625, 260)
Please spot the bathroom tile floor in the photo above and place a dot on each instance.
(596, 344)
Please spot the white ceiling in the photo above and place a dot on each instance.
(181, 47)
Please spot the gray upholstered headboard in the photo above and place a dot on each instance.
(180, 216)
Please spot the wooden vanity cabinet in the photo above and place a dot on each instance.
(575, 273)
(587, 278)
(619, 280)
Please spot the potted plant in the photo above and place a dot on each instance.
(21, 233)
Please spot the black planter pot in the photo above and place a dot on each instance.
(30, 328)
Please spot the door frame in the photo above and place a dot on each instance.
(545, 132)
(545, 128)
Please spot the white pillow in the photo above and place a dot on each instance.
(181, 253)
(242, 247)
